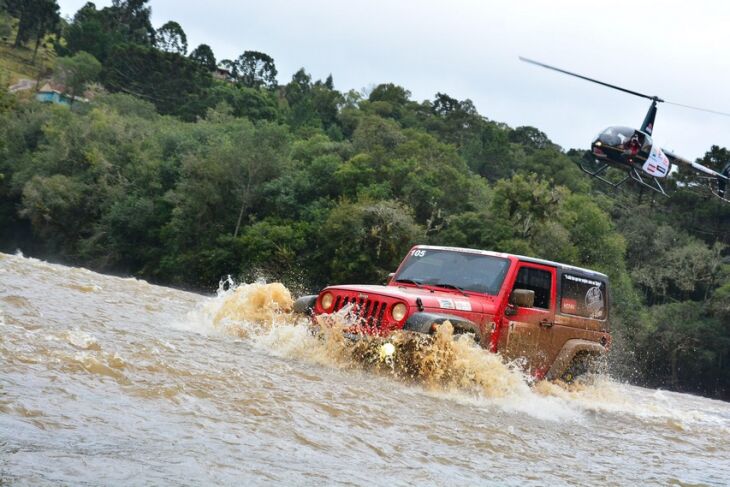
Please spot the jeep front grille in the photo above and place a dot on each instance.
(369, 311)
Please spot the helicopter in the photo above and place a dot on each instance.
(634, 152)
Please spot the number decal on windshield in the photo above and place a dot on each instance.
(418, 253)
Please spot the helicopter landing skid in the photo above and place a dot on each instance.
(721, 195)
(652, 184)
(598, 174)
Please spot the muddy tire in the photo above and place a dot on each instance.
(466, 328)
(582, 364)
(424, 323)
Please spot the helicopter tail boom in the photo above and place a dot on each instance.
(648, 124)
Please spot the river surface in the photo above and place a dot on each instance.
(111, 381)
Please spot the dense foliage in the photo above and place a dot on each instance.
(182, 177)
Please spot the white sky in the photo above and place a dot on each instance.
(677, 50)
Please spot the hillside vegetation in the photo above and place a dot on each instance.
(181, 177)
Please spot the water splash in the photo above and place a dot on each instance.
(262, 314)
(456, 366)
(242, 310)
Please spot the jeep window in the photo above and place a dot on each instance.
(582, 296)
(462, 270)
(537, 280)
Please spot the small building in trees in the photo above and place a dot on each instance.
(55, 94)
(222, 74)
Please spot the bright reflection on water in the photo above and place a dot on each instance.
(114, 381)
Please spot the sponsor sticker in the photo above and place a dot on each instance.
(446, 303)
(657, 164)
(463, 305)
(569, 305)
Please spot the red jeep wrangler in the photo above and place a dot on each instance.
(553, 315)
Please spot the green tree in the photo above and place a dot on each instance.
(47, 21)
(90, 31)
(326, 102)
(530, 137)
(274, 247)
(51, 204)
(34, 17)
(298, 94)
(256, 70)
(6, 22)
(687, 348)
(99, 31)
(391, 93)
(364, 241)
(171, 38)
(251, 103)
(388, 100)
(204, 56)
(174, 83)
(218, 193)
(131, 18)
(76, 72)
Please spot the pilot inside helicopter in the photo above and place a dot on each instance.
(633, 145)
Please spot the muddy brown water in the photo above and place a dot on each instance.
(111, 381)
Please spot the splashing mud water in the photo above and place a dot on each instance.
(443, 362)
(113, 381)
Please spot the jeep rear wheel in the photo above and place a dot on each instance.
(581, 364)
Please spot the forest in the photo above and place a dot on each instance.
(179, 168)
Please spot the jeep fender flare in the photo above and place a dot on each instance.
(422, 322)
(569, 351)
(305, 304)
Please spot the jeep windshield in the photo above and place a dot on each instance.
(450, 269)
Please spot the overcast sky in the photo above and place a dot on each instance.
(677, 50)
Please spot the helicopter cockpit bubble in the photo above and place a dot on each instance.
(615, 136)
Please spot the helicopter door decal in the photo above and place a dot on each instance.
(657, 164)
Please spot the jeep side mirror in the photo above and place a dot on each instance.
(390, 277)
(523, 298)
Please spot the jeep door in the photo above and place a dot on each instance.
(527, 333)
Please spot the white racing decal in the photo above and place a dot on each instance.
(463, 305)
(581, 279)
(446, 303)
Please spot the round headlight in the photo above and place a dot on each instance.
(327, 300)
(399, 311)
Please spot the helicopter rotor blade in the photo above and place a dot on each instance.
(625, 90)
(716, 112)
